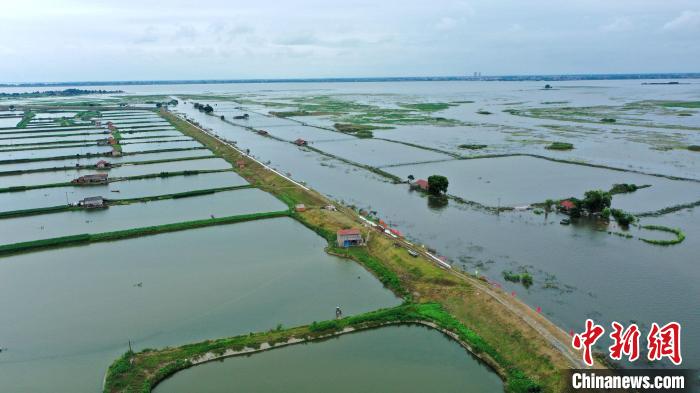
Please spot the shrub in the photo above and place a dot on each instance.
(596, 200)
(624, 188)
(623, 218)
(560, 146)
(437, 184)
(472, 146)
(510, 276)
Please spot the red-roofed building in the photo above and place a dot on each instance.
(567, 205)
(349, 237)
(103, 164)
(422, 184)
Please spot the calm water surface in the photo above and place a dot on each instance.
(392, 359)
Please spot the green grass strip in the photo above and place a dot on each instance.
(28, 116)
(88, 167)
(138, 177)
(115, 202)
(142, 371)
(680, 236)
(35, 245)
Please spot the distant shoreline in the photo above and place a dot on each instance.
(495, 78)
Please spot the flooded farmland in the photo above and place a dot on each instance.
(491, 140)
(409, 359)
(220, 281)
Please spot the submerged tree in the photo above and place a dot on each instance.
(437, 184)
(596, 200)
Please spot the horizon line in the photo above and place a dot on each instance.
(486, 78)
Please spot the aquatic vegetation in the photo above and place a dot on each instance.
(428, 106)
(483, 112)
(64, 121)
(524, 278)
(347, 111)
(634, 113)
(624, 188)
(680, 236)
(299, 113)
(87, 115)
(623, 218)
(560, 146)
(472, 146)
(358, 130)
(28, 116)
(679, 104)
(694, 147)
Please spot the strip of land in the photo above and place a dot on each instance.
(528, 351)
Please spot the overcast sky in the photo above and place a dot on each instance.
(217, 39)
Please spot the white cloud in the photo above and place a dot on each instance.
(618, 25)
(446, 23)
(687, 20)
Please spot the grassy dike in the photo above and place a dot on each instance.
(92, 166)
(95, 155)
(84, 238)
(527, 350)
(118, 202)
(142, 371)
(125, 178)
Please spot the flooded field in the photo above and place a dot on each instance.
(9, 121)
(518, 181)
(572, 266)
(55, 196)
(5, 167)
(377, 152)
(77, 322)
(54, 152)
(391, 359)
(121, 171)
(196, 284)
(145, 147)
(220, 204)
